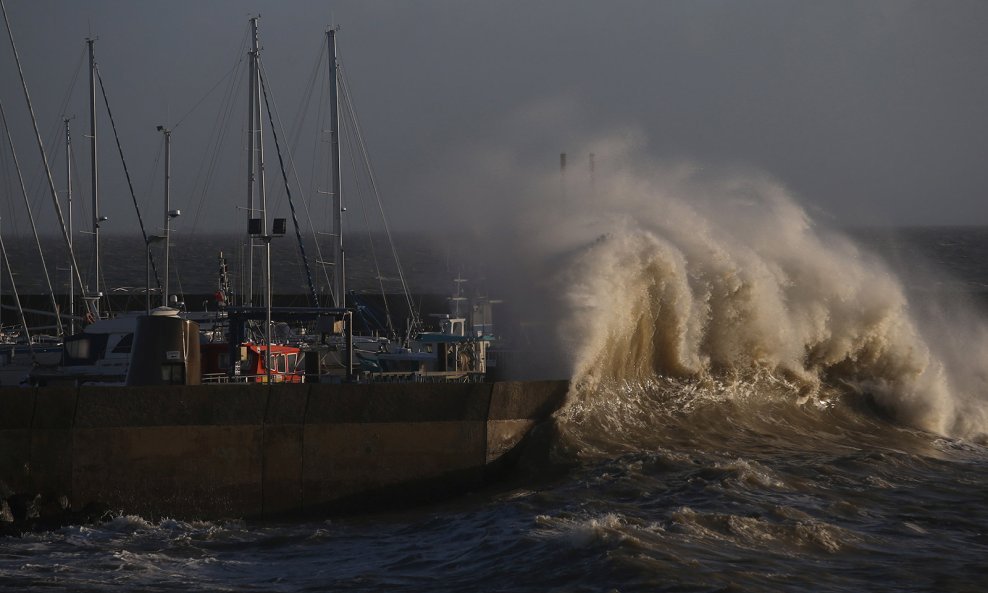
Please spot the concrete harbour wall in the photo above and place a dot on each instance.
(252, 451)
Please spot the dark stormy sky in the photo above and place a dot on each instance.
(869, 112)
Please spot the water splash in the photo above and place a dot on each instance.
(682, 273)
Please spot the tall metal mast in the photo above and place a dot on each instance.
(339, 276)
(251, 118)
(95, 307)
(255, 175)
(168, 212)
(68, 195)
(264, 213)
(259, 150)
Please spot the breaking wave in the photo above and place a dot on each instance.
(683, 275)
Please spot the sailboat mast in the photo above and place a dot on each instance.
(264, 218)
(259, 150)
(255, 175)
(94, 176)
(251, 118)
(339, 273)
(168, 214)
(68, 197)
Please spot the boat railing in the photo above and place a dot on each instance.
(224, 379)
(389, 377)
(423, 377)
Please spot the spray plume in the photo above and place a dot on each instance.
(674, 271)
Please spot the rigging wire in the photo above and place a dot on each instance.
(77, 190)
(153, 180)
(307, 93)
(37, 180)
(70, 92)
(53, 133)
(313, 192)
(304, 203)
(373, 182)
(178, 279)
(348, 133)
(217, 137)
(294, 138)
(34, 228)
(207, 166)
(17, 301)
(11, 212)
(262, 76)
(130, 185)
(182, 119)
(101, 281)
(313, 186)
(41, 149)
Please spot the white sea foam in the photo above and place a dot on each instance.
(677, 271)
(583, 532)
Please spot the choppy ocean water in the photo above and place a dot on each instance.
(690, 457)
(704, 494)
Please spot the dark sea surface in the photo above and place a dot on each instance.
(195, 263)
(858, 472)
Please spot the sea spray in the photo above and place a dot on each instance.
(685, 270)
(678, 272)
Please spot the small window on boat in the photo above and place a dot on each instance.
(84, 348)
(77, 348)
(173, 374)
(124, 345)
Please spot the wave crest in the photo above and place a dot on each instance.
(738, 279)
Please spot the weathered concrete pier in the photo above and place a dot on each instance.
(221, 451)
